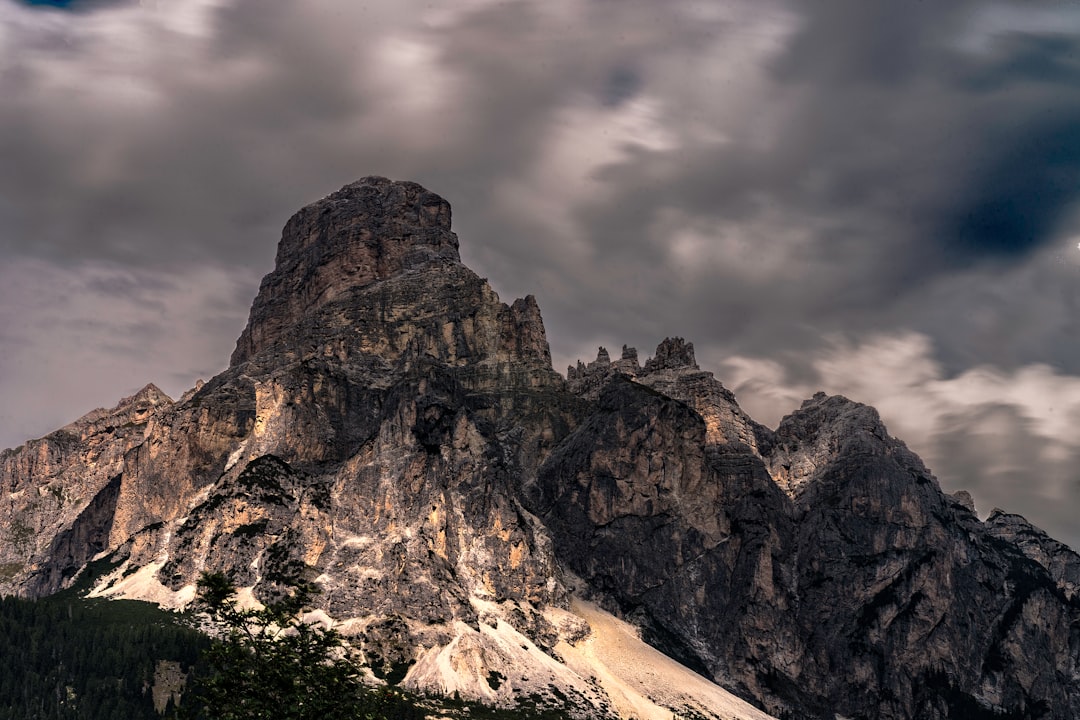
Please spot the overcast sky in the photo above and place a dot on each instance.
(879, 199)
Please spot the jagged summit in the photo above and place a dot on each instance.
(150, 394)
(826, 427)
(674, 372)
(672, 354)
(368, 231)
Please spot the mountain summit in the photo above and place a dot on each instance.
(625, 542)
(367, 232)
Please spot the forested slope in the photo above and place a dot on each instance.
(72, 657)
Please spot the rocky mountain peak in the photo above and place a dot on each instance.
(1060, 561)
(824, 428)
(151, 394)
(674, 372)
(672, 354)
(588, 380)
(366, 232)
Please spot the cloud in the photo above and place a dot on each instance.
(67, 5)
(847, 186)
(83, 337)
(1020, 200)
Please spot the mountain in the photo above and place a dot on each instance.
(481, 525)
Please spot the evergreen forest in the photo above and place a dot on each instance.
(88, 659)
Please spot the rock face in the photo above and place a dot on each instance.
(368, 231)
(58, 493)
(922, 610)
(391, 429)
(1056, 558)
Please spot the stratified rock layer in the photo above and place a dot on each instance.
(391, 429)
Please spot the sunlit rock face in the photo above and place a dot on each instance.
(389, 428)
(46, 485)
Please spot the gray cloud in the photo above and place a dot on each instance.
(994, 454)
(70, 6)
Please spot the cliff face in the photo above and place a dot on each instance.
(47, 484)
(920, 609)
(391, 429)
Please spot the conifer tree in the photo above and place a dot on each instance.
(269, 663)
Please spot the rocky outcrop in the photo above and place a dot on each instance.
(687, 538)
(674, 372)
(392, 430)
(368, 231)
(1059, 560)
(371, 433)
(821, 570)
(54, 507)
(909, 607)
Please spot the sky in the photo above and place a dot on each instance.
(880, 200)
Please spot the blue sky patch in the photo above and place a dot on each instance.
(62, 4)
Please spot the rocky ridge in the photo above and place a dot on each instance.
(391, 429)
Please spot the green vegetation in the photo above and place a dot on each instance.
(76, 658)
(269, 663)
(20, 533)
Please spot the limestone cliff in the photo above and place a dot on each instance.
(389, 428)
(58, 493)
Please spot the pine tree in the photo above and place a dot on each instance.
(269, 664)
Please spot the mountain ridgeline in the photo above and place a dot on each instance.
(390, 429)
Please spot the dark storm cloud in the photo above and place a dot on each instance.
(179, 162)
(894, 169)
(1018, 100)
(621, 84)
(885, 162)
(1017, 204)
(1018, 58)
(1018, 177)
(69, 5)
(844, 43)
